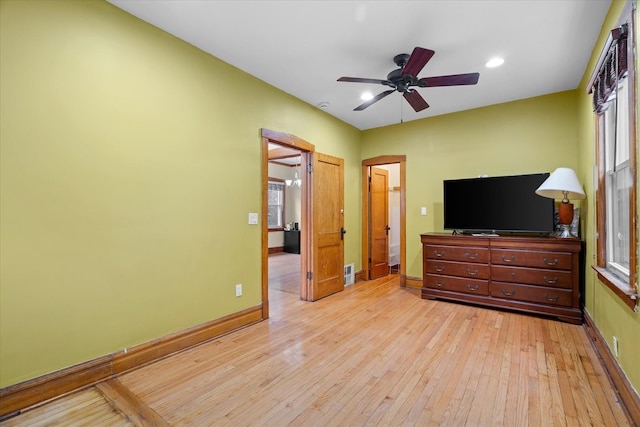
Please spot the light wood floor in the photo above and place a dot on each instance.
(284, 272)
(375, 354)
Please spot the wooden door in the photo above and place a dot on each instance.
(328, 226)
(379, 205)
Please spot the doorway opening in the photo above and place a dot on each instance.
(284, 218)
(384, 217)
(283, 144)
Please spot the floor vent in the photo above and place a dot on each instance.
(349, 275)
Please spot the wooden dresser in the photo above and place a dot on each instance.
(531, 274)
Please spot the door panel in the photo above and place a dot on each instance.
(379, 193)
(328, 223)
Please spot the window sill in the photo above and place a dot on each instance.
(620, 288)
(276, 229)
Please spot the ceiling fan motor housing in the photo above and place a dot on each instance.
(399, 81)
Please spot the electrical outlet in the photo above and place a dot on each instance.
(615, 346)
(239, 290)
(423, 210)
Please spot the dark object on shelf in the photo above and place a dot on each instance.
(292, 241)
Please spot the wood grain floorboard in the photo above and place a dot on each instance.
(128, 404)
(284, 272)
(373, 355)
(83, 408)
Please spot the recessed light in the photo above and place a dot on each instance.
(494, 62)
(366, 96)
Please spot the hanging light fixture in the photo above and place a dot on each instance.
(295, 182)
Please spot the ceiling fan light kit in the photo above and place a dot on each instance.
(405, 78)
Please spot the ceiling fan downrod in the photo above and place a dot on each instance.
(401, 59)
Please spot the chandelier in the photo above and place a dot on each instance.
(295, 182)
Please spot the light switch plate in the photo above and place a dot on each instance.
(253, 218)
(423, 210)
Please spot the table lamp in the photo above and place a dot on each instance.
(563, 184)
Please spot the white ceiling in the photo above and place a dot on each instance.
(303, 47)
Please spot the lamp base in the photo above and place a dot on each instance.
(565, 232)
(565, 214)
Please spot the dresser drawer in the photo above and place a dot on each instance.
(457, 253)
(457, 284)
(533, 276)
(523, 258)
(537, 294)
(460, 269)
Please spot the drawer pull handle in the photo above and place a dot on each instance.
(439, 284)
(475, 288)
(472, 273)
(552, 281)
(439, 269)
(468, 255)
(551, 299)
(507, 293)
(438, 254)
(504, 258)
(554, 262)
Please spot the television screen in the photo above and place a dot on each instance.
(501, 203)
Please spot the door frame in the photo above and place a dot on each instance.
(306, 156)
(366, 164)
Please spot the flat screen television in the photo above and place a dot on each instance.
(498, 204)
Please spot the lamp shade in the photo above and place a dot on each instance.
(562, 181)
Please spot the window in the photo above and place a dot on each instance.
(275, 204)
(617, 182)
(614, 103)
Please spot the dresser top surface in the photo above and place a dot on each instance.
(551, 242)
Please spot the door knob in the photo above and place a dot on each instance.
(342, 233)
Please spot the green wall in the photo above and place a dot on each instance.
(611, 316)
(528, 136)
(129, 163)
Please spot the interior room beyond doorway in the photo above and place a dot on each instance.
(393, 217)
(384, 228)
(284, 218)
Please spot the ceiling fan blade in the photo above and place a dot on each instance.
(373, 100)
(361, 80)
(452, 80)
(416, 62)
(415, 100)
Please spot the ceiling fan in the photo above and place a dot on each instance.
(405, 78)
